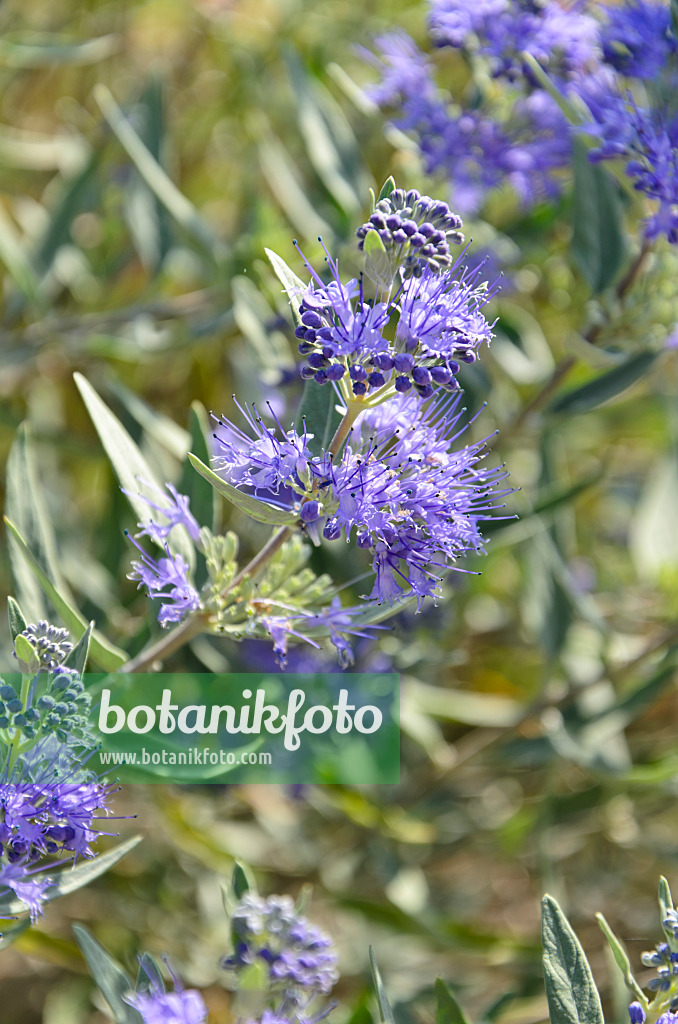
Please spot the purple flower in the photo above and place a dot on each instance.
(48, 805)
(637, 1013)
(167, 579)
(637, 39)
(263, 460)
(407, 494)
(337, 621)
(434, 313)
(300, 958)
(183, 1006)
(173, 512)
(560, 39)
(51, 644)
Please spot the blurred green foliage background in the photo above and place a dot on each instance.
(148, 153)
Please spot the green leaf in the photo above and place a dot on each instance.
(150, 976)
(26, 506)
(242, 881)
(665, 898)
(133, 471)
(386, 189)
(104, 654)
(385, 1011)
(204, 505)
(448, 1010)
(69, 879)
(605, 387)
(77, 659)
(109, 976)
(377, 261)
(319, 413)
(10, 935)
(597, 239)
(174, 201)
(330, 142)
(17, 622)
(292, 285)
(570, 989)
(572, 114)
(26, 656)
(622, 961)
(259, 510)
(40, 52)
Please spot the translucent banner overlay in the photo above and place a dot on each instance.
(247, 728)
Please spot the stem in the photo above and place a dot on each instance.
(353, 410)
(167, 644)
(254, 567)
(16, 739)
(197, 623)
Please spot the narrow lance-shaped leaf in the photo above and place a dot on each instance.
(137, 478)
(174, 201)
(70, 879)
(665, 898)
(318, 413)
(622, 961)
(259, 510)
(17, 622)
(293, 285)
(597, 239)
(448, 1010)
(385, 1011)
(242, 881)
(386, 189)
(77, 659)
(570, 989)
(605, 387)
(104, 653)
(109, 976)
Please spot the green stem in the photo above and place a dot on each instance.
(353, 410)
(16, 739)
(196, 624)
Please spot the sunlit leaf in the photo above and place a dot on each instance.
(259, 510)
(570, 989)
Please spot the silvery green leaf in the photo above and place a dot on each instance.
(598, 242)
(133, 471)
(104, 653)
(204, 503)
(149, 976)
(77, 659)
(294, 287)
(174, 201)
(17, 622)
(665, 898)
(448, 1010)
(318, 413)
(10, 935)
(386, 189)
(622, 961)
(606, 386)
(570, 989)
(69, 879)
(26, 656)
(385, 1011)
(242, 881)
(34, 51)
(259, 510)
(25, 505)
(109, 976)
(377, 261)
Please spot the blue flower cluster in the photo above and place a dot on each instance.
(617, 64)
(415, 338)
(298, 958)
(402, 489)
